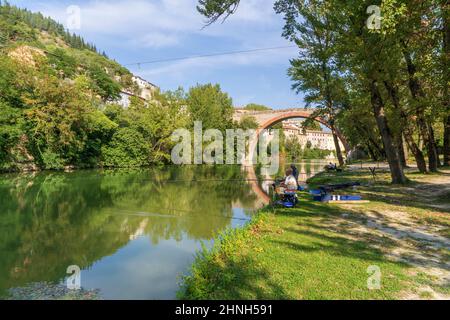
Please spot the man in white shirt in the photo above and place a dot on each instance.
(290, 182)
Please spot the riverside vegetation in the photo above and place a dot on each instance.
(380, 85)
(58, 103)
(323, 251)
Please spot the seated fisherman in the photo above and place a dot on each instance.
(291, 182)
(332, 167)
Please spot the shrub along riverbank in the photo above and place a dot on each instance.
(322, 251)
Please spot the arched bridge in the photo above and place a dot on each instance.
(268, 118)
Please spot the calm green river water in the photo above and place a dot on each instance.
(132, 232)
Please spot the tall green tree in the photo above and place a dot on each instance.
(315, 72)
(209, 104)
(369, 54)
(365, 55)
(144, 131)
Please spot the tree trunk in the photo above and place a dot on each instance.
(407, 131)
(397, 174)
(401, 149)
(344, 141)
(446, 67)
(338, 148)
(406, 148)
(427, 133)
(433, 154)
(432, 150)
(425, 128)
(418, 154)
(447, 141)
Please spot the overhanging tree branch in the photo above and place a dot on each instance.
(213, 10)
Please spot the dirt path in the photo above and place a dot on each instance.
(398, 233)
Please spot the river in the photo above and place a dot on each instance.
(131, 232)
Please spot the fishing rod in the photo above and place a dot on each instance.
(185, 180)
(209, 180)
(171, 216)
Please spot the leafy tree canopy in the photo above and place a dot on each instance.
(209, 104)
(256, 107)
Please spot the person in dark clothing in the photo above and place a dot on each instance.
(295, 172)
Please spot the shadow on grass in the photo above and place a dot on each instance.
(416, 194)
(228, 279)
(341, 240)
(350, 237)
(323, 241)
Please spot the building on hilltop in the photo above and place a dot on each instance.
(146, 92)
(147, 89)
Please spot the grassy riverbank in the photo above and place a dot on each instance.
(321, 251)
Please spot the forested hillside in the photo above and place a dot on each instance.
(21, 24)
(57, 107)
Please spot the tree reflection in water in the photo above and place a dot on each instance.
(49, 221)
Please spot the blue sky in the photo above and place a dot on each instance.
(147, 30)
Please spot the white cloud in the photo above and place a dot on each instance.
(162, 23)
(259, 11)
(158, 40)
(164, 29)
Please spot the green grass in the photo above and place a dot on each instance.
(304, 253)
(384, 195)
(291, 255)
